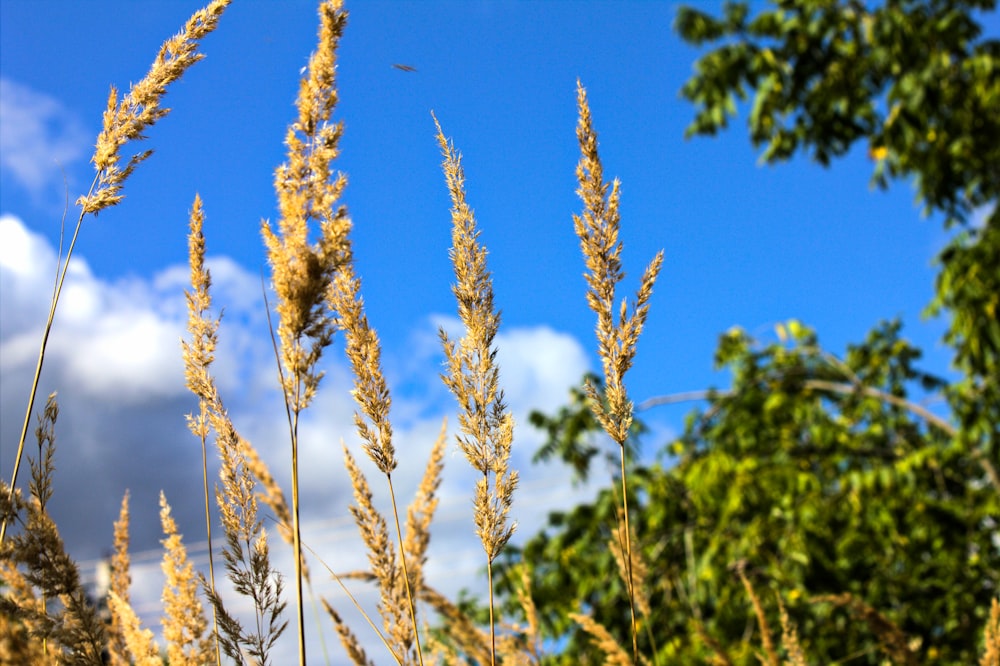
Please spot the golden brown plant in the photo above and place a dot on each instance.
(246, 553)
(614, 655)
(420, 513)
(19, 642)
(364, 353)
(463, 635)
(183, 620)
(891, 639)
(383, 570)
(140, 109)
(371, 393)
(533, 633)
(139, 641)
(272, 496)
(638, 569)
(352, 646)
(301, 272)
(597, 228)
(718, 656)
(991, 637)
(473, 376)
(57, 610)
(397, 630)
(125, 122)
(790, 638)
(121, 581)
(765, 630)
(198, 356)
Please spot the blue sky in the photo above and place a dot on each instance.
(745, 244)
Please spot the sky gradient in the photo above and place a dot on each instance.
(745, 244)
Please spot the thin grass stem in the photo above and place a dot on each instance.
(628, 560)
(297, 540)
(406, 577)
(41, 357)
(208, 531)
(357, 605)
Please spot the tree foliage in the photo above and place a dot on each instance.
(827, 483)
(915, 78)
(870, 518)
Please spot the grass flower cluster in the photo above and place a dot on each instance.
(45, 615)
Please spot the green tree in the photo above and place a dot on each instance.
(858, 508)
(914, 78)
(919, 81)
(872, 519)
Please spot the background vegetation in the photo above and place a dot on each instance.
(814, 511)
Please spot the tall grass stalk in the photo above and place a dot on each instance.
(198, 356)
(123, 122)
(246, 551)
(301, 272)
(372, 420)
(597, 227)
(487, 426)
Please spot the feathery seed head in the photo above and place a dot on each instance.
(200, 351)
(140, 108)
(184, 622)
(308, 190)
(364, 351)
(393, 604)
(121, 580)
(473, 376)
(598, 229)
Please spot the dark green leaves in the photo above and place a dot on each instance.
(823, 476)
(912, 78)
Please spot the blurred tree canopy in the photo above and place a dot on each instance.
(864, 513)
(873, 521)
(913, 78)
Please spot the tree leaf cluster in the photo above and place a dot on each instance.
(823, 494)
(915, 78)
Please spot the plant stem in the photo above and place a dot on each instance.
(406, 577)
(41, 358)
(208, 530)
(493, 635)
(297, 539)
(628, 560)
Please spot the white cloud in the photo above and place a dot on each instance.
(115, 357)
(38, 135)
(111, 340)
(538, 365)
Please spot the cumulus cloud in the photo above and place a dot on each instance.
(113, 341)
(37, 136)
(114, 356)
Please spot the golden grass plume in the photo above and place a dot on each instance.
(140, 108)
(598, 228)
(473, 377)
(184, 624)
(121, 581)
(991, 637)
(53, 603)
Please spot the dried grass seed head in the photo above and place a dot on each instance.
(598, 229)
(140, 108)
(307, 190)
(370, 392)
(121, 581)
(184, 623)
(472, 373)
